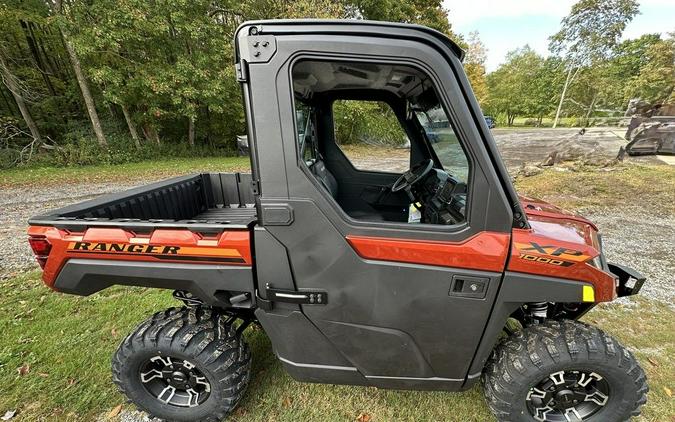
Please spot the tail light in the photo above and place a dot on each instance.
(41, 248)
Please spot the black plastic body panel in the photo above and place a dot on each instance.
(395, 323)
(304, 351)
(204, 202)
(516, 289)
(87, 276)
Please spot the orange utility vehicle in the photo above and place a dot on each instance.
(428, 279)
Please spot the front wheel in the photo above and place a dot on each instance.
(563, 371)
(184, 364)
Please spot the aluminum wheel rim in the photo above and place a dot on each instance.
(175, 382)
(568, 396)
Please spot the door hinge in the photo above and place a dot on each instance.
(290, 296)
(241, 70)
(255, 187)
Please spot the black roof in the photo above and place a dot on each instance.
(354, 26)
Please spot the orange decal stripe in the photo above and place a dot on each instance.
(485, 251)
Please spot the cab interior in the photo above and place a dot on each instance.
(437, 197)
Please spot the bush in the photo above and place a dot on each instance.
(366, 122)
(78, 146)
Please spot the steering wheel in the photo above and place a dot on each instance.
(413, 175)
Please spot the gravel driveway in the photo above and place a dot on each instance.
(632, 235)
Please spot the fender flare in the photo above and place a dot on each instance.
(211, 283)
(517, 289)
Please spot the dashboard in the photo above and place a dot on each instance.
(442, 198)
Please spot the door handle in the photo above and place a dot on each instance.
(469, 286)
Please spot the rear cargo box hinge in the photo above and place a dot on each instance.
(255, 187)
(241, 71)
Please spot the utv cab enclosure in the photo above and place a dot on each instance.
(417, 268)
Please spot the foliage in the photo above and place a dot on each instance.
(474, 66)
(588, 38)
(655, 79)
(592, 30)
(369, 122)
(524, 85)
(163, 70)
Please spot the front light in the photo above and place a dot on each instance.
(596, 262)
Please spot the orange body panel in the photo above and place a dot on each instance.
(164, 245)
(485, 251)
(535, 253)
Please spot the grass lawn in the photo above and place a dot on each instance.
(101, 173)
(55, 349)
(626, 184)
(67, 343)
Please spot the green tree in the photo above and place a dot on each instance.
(57, 8)
(589, 35)
(655, 80)
(512, 88)
(474, 65)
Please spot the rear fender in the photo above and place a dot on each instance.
(213, 284)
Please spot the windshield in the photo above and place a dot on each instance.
(444, 141)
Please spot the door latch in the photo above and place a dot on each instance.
(290, 296)
(468, 286)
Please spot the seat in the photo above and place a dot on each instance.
(330, 184)
(325, 177)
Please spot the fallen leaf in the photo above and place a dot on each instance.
(43, 374)
(363, 417)
(23, 369)
(286, 402)
(113, 332)
(668, 392)
(115, 411)
(652, 361)
(8, 415)
(71, 382)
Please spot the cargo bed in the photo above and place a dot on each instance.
(204, 202)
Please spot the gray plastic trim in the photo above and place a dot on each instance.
(430, 379)
(315, 366)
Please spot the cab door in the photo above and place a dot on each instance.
(403, 305)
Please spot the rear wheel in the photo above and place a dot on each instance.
(184, 364)
(563, 371)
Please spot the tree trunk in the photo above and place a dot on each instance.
(209, 139)
(86, 93)
(16, 93)
(191, 131)
(150, 133)
(10, 108)
(590, 109)
(132, 127)
(562, 97)
(33, 48)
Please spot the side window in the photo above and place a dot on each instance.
(389, 187)
(370, 135)
(444, 141)
(305, 133)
